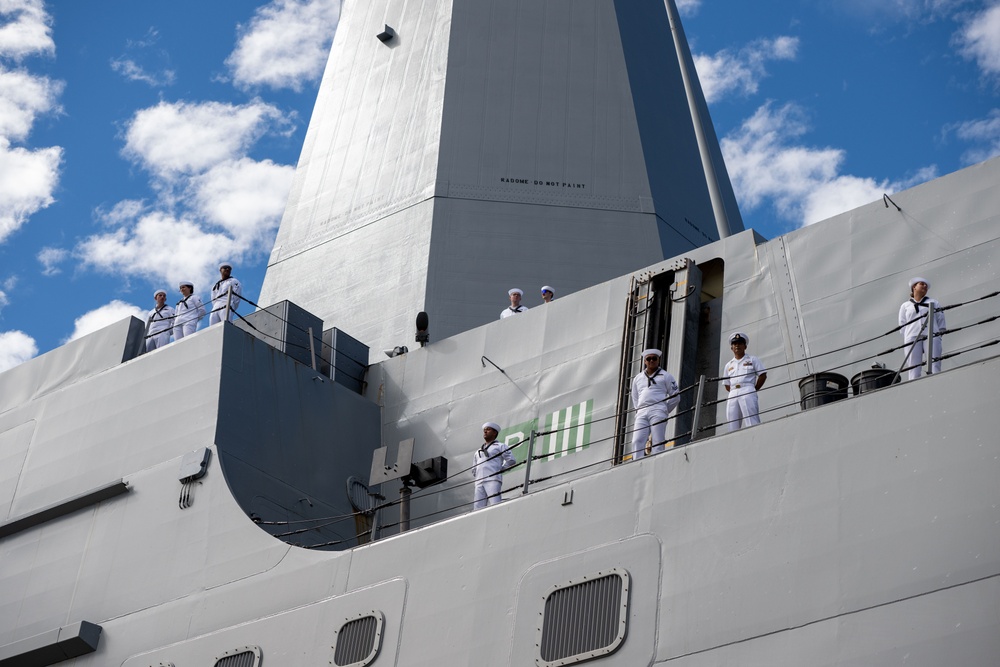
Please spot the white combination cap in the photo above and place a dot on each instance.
(546, 288)
(492, 425)
(918, 279)
(185, 283)
(739, 334)
(512, 292)
(225, 264)
(651, 352)
(159, 291)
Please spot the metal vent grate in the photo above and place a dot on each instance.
(358, 640)
(585, 619)
(247, 656)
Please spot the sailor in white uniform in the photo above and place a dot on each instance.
(491, 459)
(515, 304)
(654, 396)
(188, 311)
(160, 321)
(219, 292)
(548, 294)
(913, 319)
(745, 375)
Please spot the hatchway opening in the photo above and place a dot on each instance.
(676, 309)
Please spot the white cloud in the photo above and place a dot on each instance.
(803, 184)
(16, 347)
(984, 133)
(742, 71)
(27, 29)
(101, 317)
(285, 45)
(688, 7)
(27, 181)
(979, 40)
(214, 202)
(181, 138)
(133, 71)
(161, 249)
(50, 258)
(243, 196)
(23, 97)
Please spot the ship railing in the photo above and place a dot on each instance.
(533, 465)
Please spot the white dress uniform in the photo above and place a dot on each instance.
(488, 462)
(913, 319)
(219, 300)
(653, 397)
(161, 322)
(189, 312)
(741, 406)
(507, 312)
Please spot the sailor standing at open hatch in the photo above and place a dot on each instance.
(489, 461)
(221, 290)
(745, 375)
(515, 304)
(188, 312)
(913, 320)
(654, 396)
(159, 322)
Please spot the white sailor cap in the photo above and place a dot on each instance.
(918, 279)
(739, 334)
(546, 288)
(225, 264)
(652, 352)
(492, 425)
(185, 283)
(159, 291)
(512, 292)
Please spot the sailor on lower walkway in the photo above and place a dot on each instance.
(913, 320)
(745, 375)
(654, 396)
(489, 461)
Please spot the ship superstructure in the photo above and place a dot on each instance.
(217, 501)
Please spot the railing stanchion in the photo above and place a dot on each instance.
(312, 348)
(527, 463)
(697, 408)
(930, 336)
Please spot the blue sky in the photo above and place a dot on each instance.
(142, 143)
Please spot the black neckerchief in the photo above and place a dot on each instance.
(917, 305)
(651, 379)
(185, 301)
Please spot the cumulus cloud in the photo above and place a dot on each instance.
(50, 259)
(23, 97)
(185, 138)
(26, 29)
(162, 249)
(101, 317)
(27, 181)
(28, 177)
(741, 71)
(16, 347)
(803, 184)
(983, 133)
(214, 201)
(285, 45)
(979, 40)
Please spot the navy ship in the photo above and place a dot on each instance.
(295, 487)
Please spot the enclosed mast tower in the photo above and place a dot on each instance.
(458, 149)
